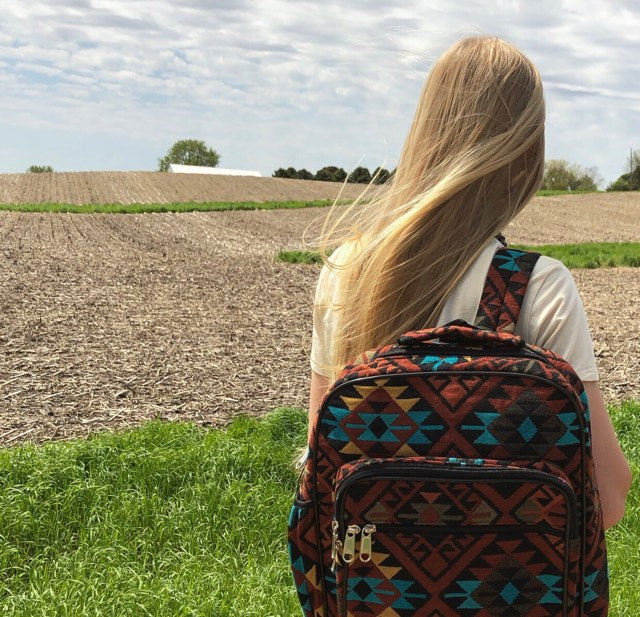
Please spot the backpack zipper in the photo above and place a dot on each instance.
(347, 549)
(449, 472)
(568, 394)
(415, 350)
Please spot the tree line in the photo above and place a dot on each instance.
(330, 173)
(559, 174)
(629, 181)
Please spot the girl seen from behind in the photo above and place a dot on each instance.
(416, 255)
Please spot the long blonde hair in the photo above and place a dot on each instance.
(473, 158)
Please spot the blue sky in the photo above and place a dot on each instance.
(111, 84)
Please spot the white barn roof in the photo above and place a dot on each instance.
(196, 169)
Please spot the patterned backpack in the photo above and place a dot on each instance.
(451, 475)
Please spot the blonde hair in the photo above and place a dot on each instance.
(473, 158)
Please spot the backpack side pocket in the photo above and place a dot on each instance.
(302, 551)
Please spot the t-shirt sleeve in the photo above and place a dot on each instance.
(553, 317)
(325, 318)
(320, 339)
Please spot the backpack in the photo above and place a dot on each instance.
(451, 474)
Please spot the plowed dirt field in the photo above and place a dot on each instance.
(106, 320)
(143, 187)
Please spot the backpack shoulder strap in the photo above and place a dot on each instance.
(504, 289)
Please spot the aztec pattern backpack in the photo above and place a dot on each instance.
(451, 475)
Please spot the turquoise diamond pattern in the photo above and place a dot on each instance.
(571, 435)
(485, 437)
(333, 419)
(365, 589)
(463, 462)
(587, 417)
(508, 259)
(583, 399)
(331, 584)
(554, 589)
(589, 580)
(509, 593)
(420, 436)
(528, 430)
(378, 427)
(403, 589)
(437, 362)
(302, 588)
(293, 517)
(468, 587)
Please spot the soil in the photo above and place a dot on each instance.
(107, 320)
(128, 187)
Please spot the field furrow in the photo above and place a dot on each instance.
(156, 187)
(106, 320)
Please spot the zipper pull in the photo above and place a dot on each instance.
(365, 543)
(336, 545)
(349, 550)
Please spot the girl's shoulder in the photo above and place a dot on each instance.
(340, 256)
(337, 259)
(552, 274)
(553, 316)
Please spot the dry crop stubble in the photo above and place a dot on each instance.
(107, 320)
(109, 187)
(129, 317)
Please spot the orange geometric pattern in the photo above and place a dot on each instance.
(451, 475)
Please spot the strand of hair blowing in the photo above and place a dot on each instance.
(473, 158)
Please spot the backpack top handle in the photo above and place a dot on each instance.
(460, 332)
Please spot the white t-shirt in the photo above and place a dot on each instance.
(552, 314)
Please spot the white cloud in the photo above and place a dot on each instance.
(300, 83)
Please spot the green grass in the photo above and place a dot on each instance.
(623, 540)
(552, 193)
(192, 206)
(171, 519)
(591, 254)
(168, 519)
(300, 257)
(585, 255)
(208, 206)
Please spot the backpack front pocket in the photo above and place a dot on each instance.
(419, 536)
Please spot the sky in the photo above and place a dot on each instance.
(112, 84)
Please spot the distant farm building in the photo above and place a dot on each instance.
(217, 171)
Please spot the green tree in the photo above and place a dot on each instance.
(303, 174)
(40, 169)
(559, 175)
(588, 179)
(381, 175)
(291, 172)
(629, 181)
(281, 172)
(331, 174)
(189, 152)
(360, 175)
